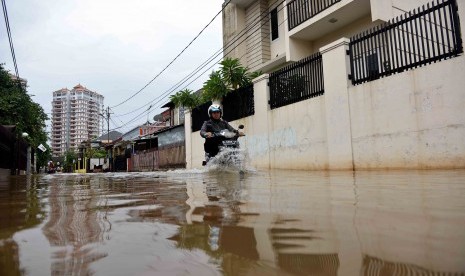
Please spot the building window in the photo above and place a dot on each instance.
(274, 24)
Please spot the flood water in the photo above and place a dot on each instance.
(212, 223)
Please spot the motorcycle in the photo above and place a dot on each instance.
(228, 146)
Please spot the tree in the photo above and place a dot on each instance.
(215, 87)
(231, 76)
(17, 108)
(233, 73)
(68, 164)
(254, 75)
(186, 98)
(43, 156)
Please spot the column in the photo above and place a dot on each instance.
(188, 138)
(338, 128)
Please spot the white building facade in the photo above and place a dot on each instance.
(349, 84)
(267, 34)
(75, 118)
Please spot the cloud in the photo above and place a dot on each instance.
(113, 47)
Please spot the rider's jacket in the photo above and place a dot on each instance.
(211, 144)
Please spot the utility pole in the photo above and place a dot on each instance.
(110, 157)
(107, 117)
(108, 124)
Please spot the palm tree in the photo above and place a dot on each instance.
(215, 87)
(233, 73)
(186, 98)
(254, 75)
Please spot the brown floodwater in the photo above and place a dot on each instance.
(212, 223)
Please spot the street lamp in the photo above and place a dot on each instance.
(28, 156)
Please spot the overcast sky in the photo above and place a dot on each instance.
(112, 47)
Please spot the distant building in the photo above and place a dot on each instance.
(75, 118)
(22, 81)
(109, 137)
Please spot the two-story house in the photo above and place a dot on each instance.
(349, 84)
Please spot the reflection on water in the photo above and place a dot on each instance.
(213, 223)
(20, 208)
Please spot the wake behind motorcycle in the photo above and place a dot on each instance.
(226, 148)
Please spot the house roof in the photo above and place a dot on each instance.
(163, 130)
(113, 135)
(168, 104)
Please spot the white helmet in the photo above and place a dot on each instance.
(214, 108)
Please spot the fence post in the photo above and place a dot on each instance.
(28, 160)
(257, 139)
(188, 137)
(338, 128)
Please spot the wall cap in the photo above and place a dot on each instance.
(261, 78)
(333, 45)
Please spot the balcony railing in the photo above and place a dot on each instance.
(420, 37)
(299, 11)
(297, 82)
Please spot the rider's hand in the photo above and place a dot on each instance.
(209, 135)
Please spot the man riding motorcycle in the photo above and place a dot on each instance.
(215, 125)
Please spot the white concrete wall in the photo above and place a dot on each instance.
(385, 10)
(277, 46)
(411, 120)
(233, 25)
(257, 40)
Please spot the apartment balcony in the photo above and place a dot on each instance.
(242, 3)
(312, 19)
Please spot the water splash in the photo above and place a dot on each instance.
(230, 160)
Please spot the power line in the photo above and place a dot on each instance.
(244, 31)
(166, 67)
(8, 30)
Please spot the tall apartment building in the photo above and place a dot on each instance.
(75, 118)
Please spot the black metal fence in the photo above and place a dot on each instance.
(299, 11)
(199, 115)
(428, 34)
(297, 82)
(238, 104)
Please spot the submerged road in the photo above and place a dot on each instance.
(215, 223)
